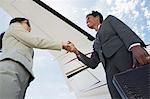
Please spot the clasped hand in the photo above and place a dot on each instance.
(70, 47)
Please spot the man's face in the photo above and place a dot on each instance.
(25, 25)
(91, 21)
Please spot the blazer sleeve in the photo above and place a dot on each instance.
(128, 36)
(91, 62)
(30, 40)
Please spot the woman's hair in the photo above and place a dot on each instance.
(18, 19)
(96, 13)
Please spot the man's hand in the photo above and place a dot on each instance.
(140, 54)
(70, 47)
(65, 45)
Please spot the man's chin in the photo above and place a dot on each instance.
(90, 27)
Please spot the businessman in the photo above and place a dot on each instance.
(116, 46)
(16, 60)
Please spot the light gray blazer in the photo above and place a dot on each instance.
(18, 45)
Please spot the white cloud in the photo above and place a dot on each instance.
(127, 11)
(139, 31)
(124, 7)
(146, 12)
(148, 25)
(109, 2)
(135, 14)
(143, 3)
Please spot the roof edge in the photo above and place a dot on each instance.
(90, 37)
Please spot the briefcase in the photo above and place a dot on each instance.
(133, 83)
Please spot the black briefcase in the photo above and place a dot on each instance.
(134, 83)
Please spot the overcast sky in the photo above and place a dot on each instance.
(49, 82)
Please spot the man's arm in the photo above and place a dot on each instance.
(91, 62)
(130, 39)
(128, 36)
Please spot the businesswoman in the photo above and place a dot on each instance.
(16, 60)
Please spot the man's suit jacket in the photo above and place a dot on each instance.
(18, 45)
(112, 35)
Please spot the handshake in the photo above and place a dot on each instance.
(70, 47)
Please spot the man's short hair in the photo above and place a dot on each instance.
(18, 19)
(96, 13)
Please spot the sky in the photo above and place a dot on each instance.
(49, 82)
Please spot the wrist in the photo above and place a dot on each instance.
(76, 52)
(134, 47)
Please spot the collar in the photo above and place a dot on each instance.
(99, 26)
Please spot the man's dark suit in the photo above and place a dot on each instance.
(111, 48)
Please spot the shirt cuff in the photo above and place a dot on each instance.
(135, 44)
(78, 54)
